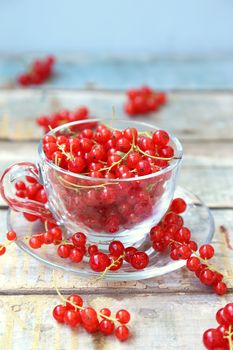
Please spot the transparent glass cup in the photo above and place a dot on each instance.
(105, 209)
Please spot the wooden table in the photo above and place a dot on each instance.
(169, 312)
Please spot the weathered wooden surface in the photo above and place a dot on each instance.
(79, 71)
(189, 115)
(166, 310)
(159, 321)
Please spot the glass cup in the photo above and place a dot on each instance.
(105, 209)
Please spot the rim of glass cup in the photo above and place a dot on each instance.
(179, 151)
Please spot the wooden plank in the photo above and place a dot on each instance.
(206, 170)
(121, 72)
(189, 115)
(21, 274)
(164, 321)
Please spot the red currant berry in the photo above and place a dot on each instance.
(11, 235)
(59, 313)
(122, 333)
(2, 249)
(139, 260)
(193, 263)
(72, 318)
(76, 255)
(105, 312)
(79, 239)
(35, 242)
(220, 317)
(92, 249)
(106, 327)
(116, 248)
(212, 338)
(206, 251)
(178, 205)
(161, 138)
(75, 299)
(129, 252)
(99, 261)
(220, 288)
(88, 316)
(207, 277)
(64, 251)
(228, 313)
(123, 316)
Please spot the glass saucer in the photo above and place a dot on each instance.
(197, 217)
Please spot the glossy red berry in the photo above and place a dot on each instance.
(92, 249)
(106, 327)
(35, 242)
(76, 255)
(11, 235)
(207, 277)
(129, 252)
(99, 261)
(161, 138)
(79, 239)
(220, 317)
(75, 299)
(122, 333)
(72, 318)
(105, 312)
(212, 338)
(193, 263)
(139, 260)
(178, 205)
(116, 248)
(228, 313)
(64, 251)
(123, 316)
(2, 249)
(206, 251)
(59, 313)
(220, 288)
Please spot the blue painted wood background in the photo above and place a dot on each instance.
(109, 72)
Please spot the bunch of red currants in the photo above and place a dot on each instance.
(39, 71)
(53, 120)
(221, 338)
(143, 101)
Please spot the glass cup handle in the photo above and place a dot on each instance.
(25, 205)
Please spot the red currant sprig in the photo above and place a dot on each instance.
(11, 237)
(73, 313)
(170, 233)
(48, 122)
(39, 71)
(222, 336)
(143, 101)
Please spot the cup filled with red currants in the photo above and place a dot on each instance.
(113, 179)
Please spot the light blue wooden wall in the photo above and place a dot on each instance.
(167, 27)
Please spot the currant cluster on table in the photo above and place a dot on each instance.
(39, 71)
(171, 234)
(143, 101)
(53, 120)
(221, 338)
(74, 314)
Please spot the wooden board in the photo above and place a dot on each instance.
(166, 310)
(121, 72)
(189, 115)
(162, 321)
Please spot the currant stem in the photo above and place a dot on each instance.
(155, 157)
(114, 263)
